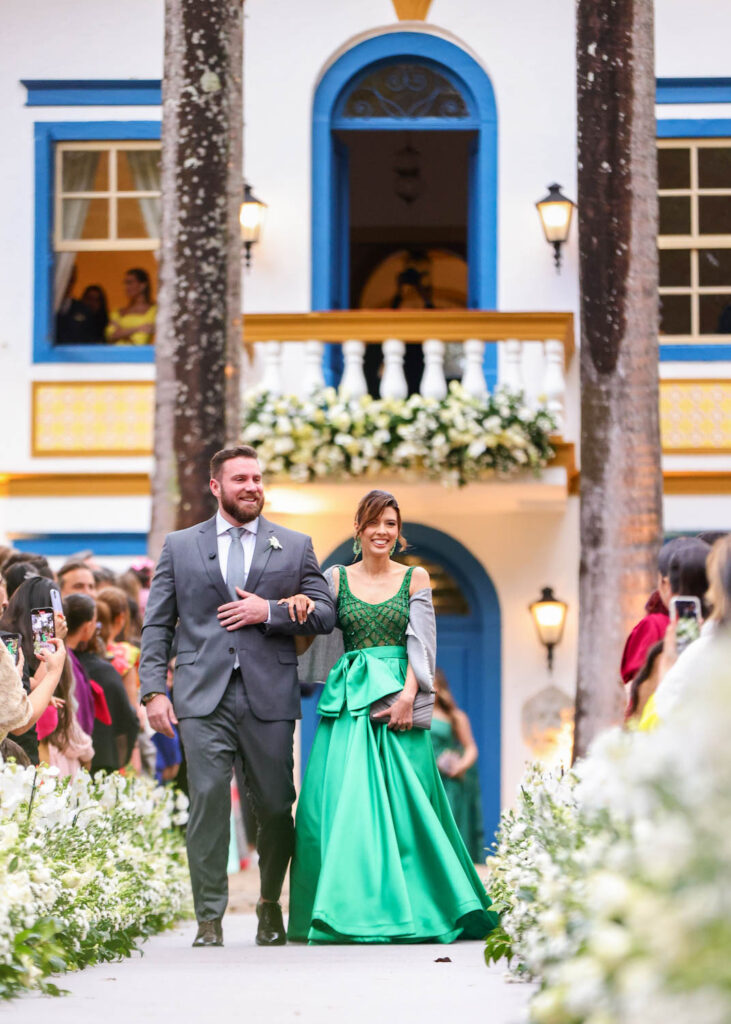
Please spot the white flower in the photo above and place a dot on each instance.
(275, 544)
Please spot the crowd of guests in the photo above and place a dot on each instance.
(74, 702)
(88, 320)
(664, 651)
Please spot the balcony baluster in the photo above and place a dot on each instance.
(353, 382)
(393, 381)
(433, 381)
(473, 376)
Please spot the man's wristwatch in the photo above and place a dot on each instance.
(148, 697)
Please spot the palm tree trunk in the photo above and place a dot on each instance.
(198, 339)
(621, 476)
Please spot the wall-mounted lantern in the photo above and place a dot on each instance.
(549, 615)
(555, 211)
(251, 218)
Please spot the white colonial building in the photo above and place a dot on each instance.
(400, 147)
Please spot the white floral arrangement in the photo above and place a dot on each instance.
(614, 881)
(86, 867)
(455, 439)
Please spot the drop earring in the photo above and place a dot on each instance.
(357, 546)
(390, 553)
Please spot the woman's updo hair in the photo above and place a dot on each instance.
(371, 508)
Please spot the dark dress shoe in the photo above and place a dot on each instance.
(210, 933)
(271, 931)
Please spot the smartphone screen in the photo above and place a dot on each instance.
(56, 602)
(685, 612)
(44, 629)
(12, 642)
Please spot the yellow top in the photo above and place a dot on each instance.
(650, 718)
(128, 320)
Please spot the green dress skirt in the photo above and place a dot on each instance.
(463, 793)
(378, 856)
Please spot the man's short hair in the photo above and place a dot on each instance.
(72, 566)
(241, 451)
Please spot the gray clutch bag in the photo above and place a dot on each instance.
(423, 709)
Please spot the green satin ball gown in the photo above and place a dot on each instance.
(378, 857)
(463, 794)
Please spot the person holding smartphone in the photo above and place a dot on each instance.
(679, 669)
(19, 711)
(32, 595)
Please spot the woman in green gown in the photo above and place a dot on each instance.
(378, 857)
(456, 753)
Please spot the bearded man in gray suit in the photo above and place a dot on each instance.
(235, 687)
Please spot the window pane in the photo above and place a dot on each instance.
(674, 215)
(714, 267)
(90, 287)
(84, 218)
(673, 168)
(138, 170)
(138, 218)
(675, 268)
(714, 168)
(675, 314)
(84, 170)
(714, 215)
(715, 314)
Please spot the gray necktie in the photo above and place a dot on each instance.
(235, 574)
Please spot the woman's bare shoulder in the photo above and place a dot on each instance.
(419, 579)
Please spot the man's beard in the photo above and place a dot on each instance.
(242, 515)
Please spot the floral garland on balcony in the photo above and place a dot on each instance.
(86, 867)
(455, 439)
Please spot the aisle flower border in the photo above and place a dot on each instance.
(87, 867)
(613, 879)
(456, 439)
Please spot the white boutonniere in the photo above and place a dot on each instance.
(274, 544)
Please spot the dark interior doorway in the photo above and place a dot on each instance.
(407, 223)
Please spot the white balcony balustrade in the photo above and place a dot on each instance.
(533, 362)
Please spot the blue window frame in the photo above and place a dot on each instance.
(47, 134)
(693, 90)
(329, 211)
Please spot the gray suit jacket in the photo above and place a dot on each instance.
(186, 592)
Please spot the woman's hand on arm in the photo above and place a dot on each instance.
(466, 740)
(300, 607)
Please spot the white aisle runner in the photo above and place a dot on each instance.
(244, 984)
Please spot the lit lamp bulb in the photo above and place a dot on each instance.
(555, 211)
(549, 616)
(251, 218)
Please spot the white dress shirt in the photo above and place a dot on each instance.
(248, 542)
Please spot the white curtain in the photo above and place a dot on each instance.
(145, 167)
(78, 172)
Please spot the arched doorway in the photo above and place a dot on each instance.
(404, 160)
(468, 646)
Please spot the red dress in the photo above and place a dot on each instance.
(646, 633)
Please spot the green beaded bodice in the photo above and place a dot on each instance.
(373, 625)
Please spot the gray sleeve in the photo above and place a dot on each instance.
(315, 664)
(421, 638)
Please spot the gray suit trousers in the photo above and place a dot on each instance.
(211, 744)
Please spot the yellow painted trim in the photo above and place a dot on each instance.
(74, 485)
(699, 483)
(412, 10)
(37, 452)
(82, 485)
(373, 325)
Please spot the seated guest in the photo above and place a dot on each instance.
(134, 324)
(113, 737)
(652, 627)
